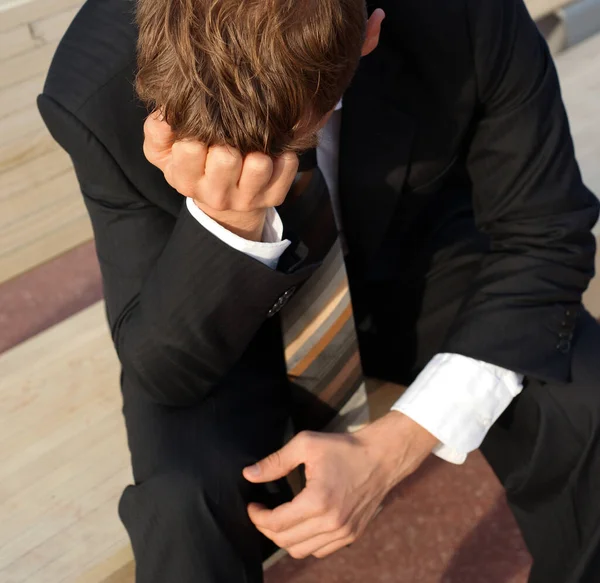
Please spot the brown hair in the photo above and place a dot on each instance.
(257, 75)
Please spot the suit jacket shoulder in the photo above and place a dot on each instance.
(98, 46)
(92, 77)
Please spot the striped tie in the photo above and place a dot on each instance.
(321, 347)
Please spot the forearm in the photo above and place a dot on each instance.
(458, 399)
(521, 308)
(182, 305)
(200, 307)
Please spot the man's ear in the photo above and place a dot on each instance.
(373, 32)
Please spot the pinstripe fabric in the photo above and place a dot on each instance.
(321, 346)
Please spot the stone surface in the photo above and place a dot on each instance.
(446, 524)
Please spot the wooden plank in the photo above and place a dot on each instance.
(125, 574)
(21, 123)
(66, 236)
(33, 10)
(15, 41)
(34, 465)
(24, 509)
(52, 28)
(118, 568)
(20, 95)
(59, 504)
(64, 537)
(34, 174)
(17, 210)
(26, 65)
(32, 221)
(26, 148)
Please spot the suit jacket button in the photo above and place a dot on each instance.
(281, 301)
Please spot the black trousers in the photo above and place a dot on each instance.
(186, 512)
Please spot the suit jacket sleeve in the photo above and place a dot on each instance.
(182, 305)
(529, 199)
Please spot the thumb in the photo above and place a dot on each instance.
(277, 465)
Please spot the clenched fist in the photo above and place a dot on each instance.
(234, 191)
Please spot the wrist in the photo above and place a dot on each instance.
(246, 224)
(400, 444)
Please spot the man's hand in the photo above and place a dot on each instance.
(348, 476)
(234, 191)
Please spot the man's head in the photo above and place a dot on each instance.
(257, 75)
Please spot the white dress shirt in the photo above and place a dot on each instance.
(456, 398)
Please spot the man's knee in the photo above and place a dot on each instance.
(169, 499)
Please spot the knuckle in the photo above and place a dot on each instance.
(291, 158)
(223, 157)
(177, 148)
(306, 440)
(191, 147)
(278, 199)
(296, 554)
(278, 540)
(346, 530)
(274, 459)
(258, 164)
(336, 522)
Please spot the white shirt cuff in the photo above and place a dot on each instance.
(457, 399)
(267, 252)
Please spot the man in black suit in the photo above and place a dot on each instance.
(469, 246)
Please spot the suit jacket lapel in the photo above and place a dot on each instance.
(375, 143)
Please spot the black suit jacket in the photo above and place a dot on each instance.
(465, 84)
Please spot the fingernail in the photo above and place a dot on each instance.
(253, 471)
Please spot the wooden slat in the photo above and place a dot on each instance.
(23, 122)
(18, 209)
(59, 487)
(26, 148)
(118, 568)
(66, 234)
(20, 96)
(36, 174)
(26, 65)
(125, 574)
(32, 221)
(15, 41)
(52, 28)
(33, 10)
